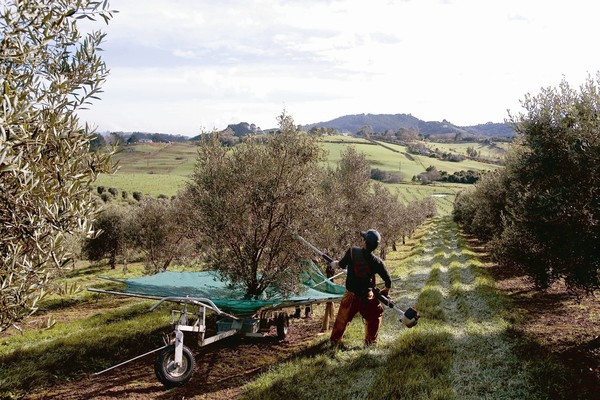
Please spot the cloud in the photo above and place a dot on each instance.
(179, 65)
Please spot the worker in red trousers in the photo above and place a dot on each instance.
(361, 266)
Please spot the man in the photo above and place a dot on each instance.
(361, 265)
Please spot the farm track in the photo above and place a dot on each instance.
(482, 366)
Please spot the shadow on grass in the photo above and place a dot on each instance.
(101, 340)
(421, 365)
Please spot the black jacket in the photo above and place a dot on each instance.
(361, 267)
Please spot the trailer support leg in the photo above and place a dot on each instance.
(178, 347)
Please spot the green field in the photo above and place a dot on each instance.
(149, 184)
(152, 169)
(155, 169)
(493, 151)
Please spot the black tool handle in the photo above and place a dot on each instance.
(385, 300)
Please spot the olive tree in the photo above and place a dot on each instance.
(552, 219)
(345, 203)
(112, 237)
(541, 213)
(48, 71)
(351, 202)
(480, 209)
(159, 229)
(245, 201)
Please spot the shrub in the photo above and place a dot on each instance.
(106, 197)
(111, 239)
(138, 196)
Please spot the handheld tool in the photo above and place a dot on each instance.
(409, 318)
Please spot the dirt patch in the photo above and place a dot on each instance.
(563, 325)
(221, 371)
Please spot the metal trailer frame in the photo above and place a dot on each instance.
(175, 363)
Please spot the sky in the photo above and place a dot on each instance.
(189, 66)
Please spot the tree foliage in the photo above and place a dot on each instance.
(349, 202)
(344, 203)
(48, 71)
(159, 229)
(111, 238)
(480, 210)
(244, 201)
(548, 196)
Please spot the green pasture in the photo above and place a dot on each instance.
(492, 151)
(442, 193)
(160, 158)
(395, 158)
(155, 169)
(148, 184)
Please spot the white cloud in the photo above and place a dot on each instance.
(178, 66)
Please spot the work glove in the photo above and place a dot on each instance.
(385, 292)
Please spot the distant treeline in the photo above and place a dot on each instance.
(125, 138)
(137, 137)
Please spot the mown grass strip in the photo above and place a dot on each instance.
(419, 363)
(494, 358)
(418, 366)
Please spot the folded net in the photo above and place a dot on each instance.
(208, 284)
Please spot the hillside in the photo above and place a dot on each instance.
(162, 168)
(352, 124)
(393, 122)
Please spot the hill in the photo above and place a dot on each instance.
(161, 169)
(379, 123)
(352, 124)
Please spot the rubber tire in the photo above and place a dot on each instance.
(163, 367)
(282, 323)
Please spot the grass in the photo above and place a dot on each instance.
(147, 183)
(467, 344)
(155, 169)
(493, 151)
(395, 158)
(463, 348)
(83, 345)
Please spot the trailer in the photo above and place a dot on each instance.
(198, 293)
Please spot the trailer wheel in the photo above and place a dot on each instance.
(170, 375)
(282, 323)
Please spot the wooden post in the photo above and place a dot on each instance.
(327, 317)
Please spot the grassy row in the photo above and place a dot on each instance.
(467, 344)
(68, 350)
(408, 364)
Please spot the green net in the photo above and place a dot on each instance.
(208, 284)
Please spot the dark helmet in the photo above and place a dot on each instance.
(372, 238)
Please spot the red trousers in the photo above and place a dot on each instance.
(369, 309)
